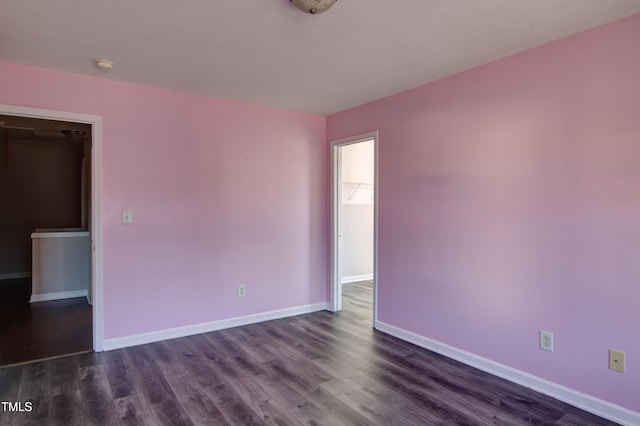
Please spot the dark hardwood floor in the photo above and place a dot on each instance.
(317, 369)
(31, 331)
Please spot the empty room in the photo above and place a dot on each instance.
(322, 212)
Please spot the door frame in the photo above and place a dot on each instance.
(96, 202)
(335, 303)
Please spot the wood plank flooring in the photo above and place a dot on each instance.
(315, 369)
(31, 331)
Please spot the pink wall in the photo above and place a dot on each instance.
(509, 202)
(222, 194)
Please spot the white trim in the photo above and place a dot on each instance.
(189, 330)
(335, 293)
(96, 201)
(356, 278)
(97, 301)
(15, 275)
(70, 234)
(335, 279)
(46, 297)
(376, 185)
(573, 397)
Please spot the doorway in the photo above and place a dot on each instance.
(354, 180)
(51, 287)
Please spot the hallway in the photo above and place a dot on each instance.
(31, 331)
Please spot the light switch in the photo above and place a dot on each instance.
(127, 217)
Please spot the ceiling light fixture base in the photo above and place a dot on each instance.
(313, 7)
(104, 64)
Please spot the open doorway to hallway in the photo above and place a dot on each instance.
(353, 224)
(45, 249)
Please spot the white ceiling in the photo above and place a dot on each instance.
(268, 52)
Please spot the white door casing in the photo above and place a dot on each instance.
(336, 228)
(96, 202)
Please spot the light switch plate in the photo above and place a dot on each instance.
(127, 217)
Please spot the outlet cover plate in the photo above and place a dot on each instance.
(546, 340)
(242, 290)
(616, 360)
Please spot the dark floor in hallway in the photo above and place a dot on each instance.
(320, 368)
(30, 331)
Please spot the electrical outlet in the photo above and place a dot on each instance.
(242, 290)
(546, 341)
(616, 360)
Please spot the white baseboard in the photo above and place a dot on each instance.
(15, 275)
(356, 278)
(189, 330)
(46, 297)
(573, 397)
